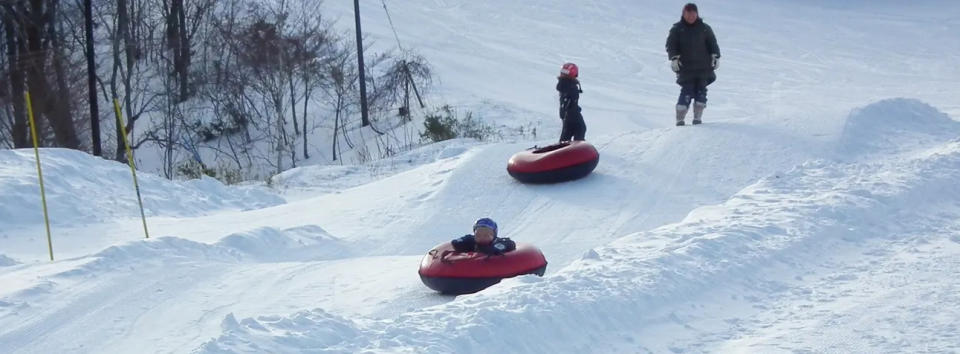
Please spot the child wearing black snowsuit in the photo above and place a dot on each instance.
(468, 243)
(569, 88)
(485, 240)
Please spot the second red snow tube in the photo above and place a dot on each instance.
(470, 272)
(555, 163)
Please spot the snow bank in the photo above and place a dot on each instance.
(893, 126)
(614, 292)
(43, 285)
(323, 179)
(261, 245)
(303, 243)
(334, 336)
(84, 189)
(156, 251)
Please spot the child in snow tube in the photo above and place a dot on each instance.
(474, 262)
(484, 239)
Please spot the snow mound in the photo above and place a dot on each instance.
(311, 331)
(786, 221)
(83, 189)
(257, 246)
(155, 251)
(323, 179)
(261, 245)
(304, 243)
(894, 126)
(6, 261)
(131, 257)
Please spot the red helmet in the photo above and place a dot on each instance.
(570, 69)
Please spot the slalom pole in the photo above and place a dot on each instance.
(43, 193)
(133, 170)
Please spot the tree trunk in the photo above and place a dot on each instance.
(293, 105)
(34, 60)
(364, 117)
(169, 133)
(15, 47)
(92, 77)
(179, 45)
(183, 67)
(279, 146)
(283, 141)
(64, 128)
(130, 55)
(122, 21)
(336, 126)
(306, 98)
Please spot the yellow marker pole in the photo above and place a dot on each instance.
(133, 170)
(43, 193)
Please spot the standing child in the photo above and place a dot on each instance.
(569, 88)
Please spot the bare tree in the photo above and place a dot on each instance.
(317, 47)
(178, 43)
(402, 78)
(15, 44)
(343, 78)
(42, 57)
(71, 119)
(281, 50)
(130, 30)
(248, 82)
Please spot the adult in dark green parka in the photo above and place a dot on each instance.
(694, 55)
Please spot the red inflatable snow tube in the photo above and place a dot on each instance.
(555, 163)
(470, 272)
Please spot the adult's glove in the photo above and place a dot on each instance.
(675, 63)
(715, 63)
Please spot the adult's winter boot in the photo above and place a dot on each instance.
(698, 108)
(681, 114)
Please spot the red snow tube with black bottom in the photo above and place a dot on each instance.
(470, 272)
(561, 162)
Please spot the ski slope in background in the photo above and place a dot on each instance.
(810, 212)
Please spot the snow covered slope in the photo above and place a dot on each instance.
(811, 212)
(86, 191)
(826, 257)
(81, 189)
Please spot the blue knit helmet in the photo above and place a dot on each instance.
(486, 222)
